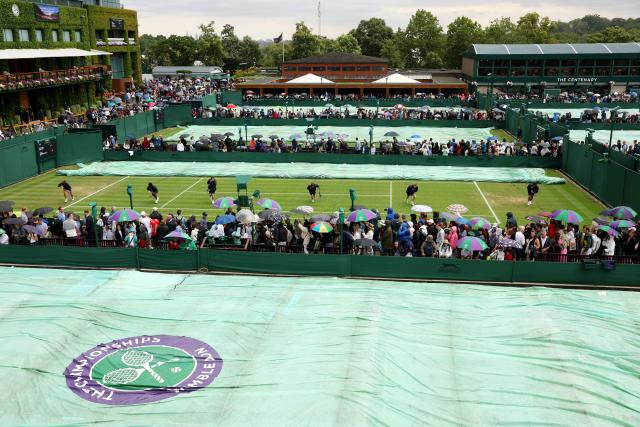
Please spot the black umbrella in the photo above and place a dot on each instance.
(274, 137)
(257, 136)
(364, 243)
(6, 205)
(229, 134)
(184, 135)
(42, 211)
(217, 135)
(321, 217)
(392, 133)
(538, 220)
(29, 228)
(272, 215)
(13, 221)
(29, 214)
(509, 243)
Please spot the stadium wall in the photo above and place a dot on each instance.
(467, 124)
(372, 103)
(500, 272)
(209, 156)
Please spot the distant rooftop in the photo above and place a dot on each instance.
(554, 49)
(338, 58)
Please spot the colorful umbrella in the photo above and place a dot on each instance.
(399, 107)
(622, 212)
(361, 215)
(225, 219)
(421, 209)
(125, 215)
(462, 221)
(567, 216)
(609, 230)
(231, 106)
(224, 202)
(175, 234)
(448, 217)
(545, 214)
(479, 222)
(304, 210)
(267, 203)
(471, 244)
(321, 227)
(509, 243)
(457, 208)
(622, 223)
(538, 220)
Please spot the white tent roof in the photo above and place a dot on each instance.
(395, 79)
(48, 53)
(309, 79)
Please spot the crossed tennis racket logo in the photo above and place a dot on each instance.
(139, 362)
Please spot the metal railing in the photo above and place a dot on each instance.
(21, 81)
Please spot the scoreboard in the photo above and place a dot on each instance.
(46, 149)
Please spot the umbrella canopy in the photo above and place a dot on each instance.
(296, 136)
(304, 210)
(622, 212)
(462, 221)
(224, 202)
(567, 216)
(249, 92)
(602, 220)
(6, 205)
(42, 211)
(29, 228)
(392, 134)
(545, 214)
(480, 223)
(321, 227)
(269, 204)
(361, 215)
(457, 208)
(509, 243)
(229, 134)
(256, 136)
(175, 234)
(244, 216)
(609, 230)
(225, 219)
(125, 215)
(398, 107)
(622, 223)
(329, 106)
(538, 220)
(471, 244)
(272, 215)
(364, 243)
(231, 106)
(416, 136)
(13, 221)
(448, 217)
(421, 209)
(492, 138)
(321, 217)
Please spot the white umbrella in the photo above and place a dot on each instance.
(304, 210)
(421, 209)
(244, 216)
(457, 208)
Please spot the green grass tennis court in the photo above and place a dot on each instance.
(490, 200)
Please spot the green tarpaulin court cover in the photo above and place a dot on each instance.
(316, 170)
(132, 348)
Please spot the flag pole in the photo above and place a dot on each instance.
(282, 49)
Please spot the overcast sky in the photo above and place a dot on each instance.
(266, 19)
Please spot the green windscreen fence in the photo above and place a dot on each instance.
(79, 147)
(317, 170)
(128, 348)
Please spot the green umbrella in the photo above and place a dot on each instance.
(472, 244)
(567, 216)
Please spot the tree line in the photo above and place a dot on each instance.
(423, 43)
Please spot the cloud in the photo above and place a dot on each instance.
(263, 20)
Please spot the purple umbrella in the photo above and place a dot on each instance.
(471, 244)
(509, 243)
(224, 202)
(622, 212)
(125, 215)
(622, 223)
(567, 216)
(361, 215)
(269, 204)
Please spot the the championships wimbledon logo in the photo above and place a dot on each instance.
(144, 369)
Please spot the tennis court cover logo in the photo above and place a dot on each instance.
(144, 369)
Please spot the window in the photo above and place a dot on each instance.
(304, 68)
(54, 36)
(78, 36)
(635, 67)
(378, 68)
(333, 68)
(8, 35)
(349, 68)
(319, 68)
(290, 68)
(23, 35)
(39, 35)
(364, 68)
(66, 36)
(484, 71)
(99, 36)
(518, 67)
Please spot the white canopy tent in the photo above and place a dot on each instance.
(48, 53)
(309, 79)
(395, 79)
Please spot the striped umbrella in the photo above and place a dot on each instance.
(479, 222)
(546, 214)
(125, 215)
(361, 215)
(567, 216)
(457, 208)
(462, 221)
(304, 210)
(538, 220)
(471, 244)
(622, 223)
(224, 202)
(509, 243)
(609, 230)
(175, 234)
(269, 204)
(623, 212)
(321, 227)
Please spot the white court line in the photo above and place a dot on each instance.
(187, 189)
(294, 194)
(390, 193)
(487, 202)
(102, 189)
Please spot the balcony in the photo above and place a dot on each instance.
(26, 81)
(116, 41)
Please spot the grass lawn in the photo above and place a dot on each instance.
(490, 200)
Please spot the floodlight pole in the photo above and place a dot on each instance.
(94, 214)
(341, 222)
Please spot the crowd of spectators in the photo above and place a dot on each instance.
(571, 97)
(415, 235)
(399, 96)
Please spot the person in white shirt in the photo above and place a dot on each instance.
(609, 246)
(144, 219)
(4, 238)
(180, 146)
(519, 237)
(595, 245)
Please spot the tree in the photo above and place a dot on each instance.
(250, 51)
(148, 45)
(532, 28)
(210, 50)
(423, 41)
(371, 35)
(347, 43)
(304, 43)
(272, 54)
(392, 52)
(612, 35)
(231, 47)
(500, 31)
(461, 34)
(175, 50)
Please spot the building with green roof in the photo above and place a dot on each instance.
(532, 67)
